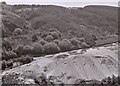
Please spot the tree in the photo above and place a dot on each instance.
(75, 42)
(19, 50)
(94, 37)
(4, 32)
(81, 39)
(6, 44)
(7, 55)
(27, 50)
(49, 38)
(84, 45)
(71, 32)
(51, 48)
(65, 45)
(43, 35)
(56, 34)
(3, 65)
(34, 38)
(42, 42)
(18, 31)
(56, 41)
(3, 2)
(9, 64)
(37, 48)
(25, 59)
(53, 29)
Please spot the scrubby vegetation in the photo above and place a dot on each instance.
(35, 30)
(37, 49)
(51, 48)
(18, 31)
(65, 45)
(42, 80)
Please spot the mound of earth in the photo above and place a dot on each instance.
(88, 64)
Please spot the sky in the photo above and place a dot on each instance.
(66, 3)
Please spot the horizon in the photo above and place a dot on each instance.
(63, 4)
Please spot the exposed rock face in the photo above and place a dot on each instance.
(92, 64)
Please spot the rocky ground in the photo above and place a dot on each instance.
(87, 64)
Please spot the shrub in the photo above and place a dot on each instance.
(4, 33)
(6, 44)
(43, 35)
(55, 35)
(71, 32)
(3, 65)
(67, 41)
(34, 38)
(84, 45)
(8, 55)
(65, 45)
(25, 59)
(37, 49)
(74, 41)
(18, 31)
(51, 48)
(4, 54)
(94, 37)
(42, 80)
(42, 42)
(19, 50)
(9, 64)
(81, 39)
(90, 42)
(27, 50)
(3, 2)
(56, 41)
(49, 38)
(53, 29)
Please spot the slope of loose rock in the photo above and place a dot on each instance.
(89, 64)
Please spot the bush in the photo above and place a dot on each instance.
(34, 38)
(37, 49)
(75, 42)
(53, 29)
(19, 50)
(25, 59)
(56, 35)
(65, 45)
(81, 39)
(43, 35)
(9, 64)
(42, 42)
(27, 50)
(4, 33)
(6, 44)
(94, 37)
(42, 80)
(18, 31)
(84, 45)
(49, 38)
(71, 32)
(3, 65)
(8, 55)
(56, 41)
(90, 42)
(51, 48)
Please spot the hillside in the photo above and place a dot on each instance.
(96, 16)
(59, 41)
(100, 19)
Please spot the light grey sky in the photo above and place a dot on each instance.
(67, 3)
